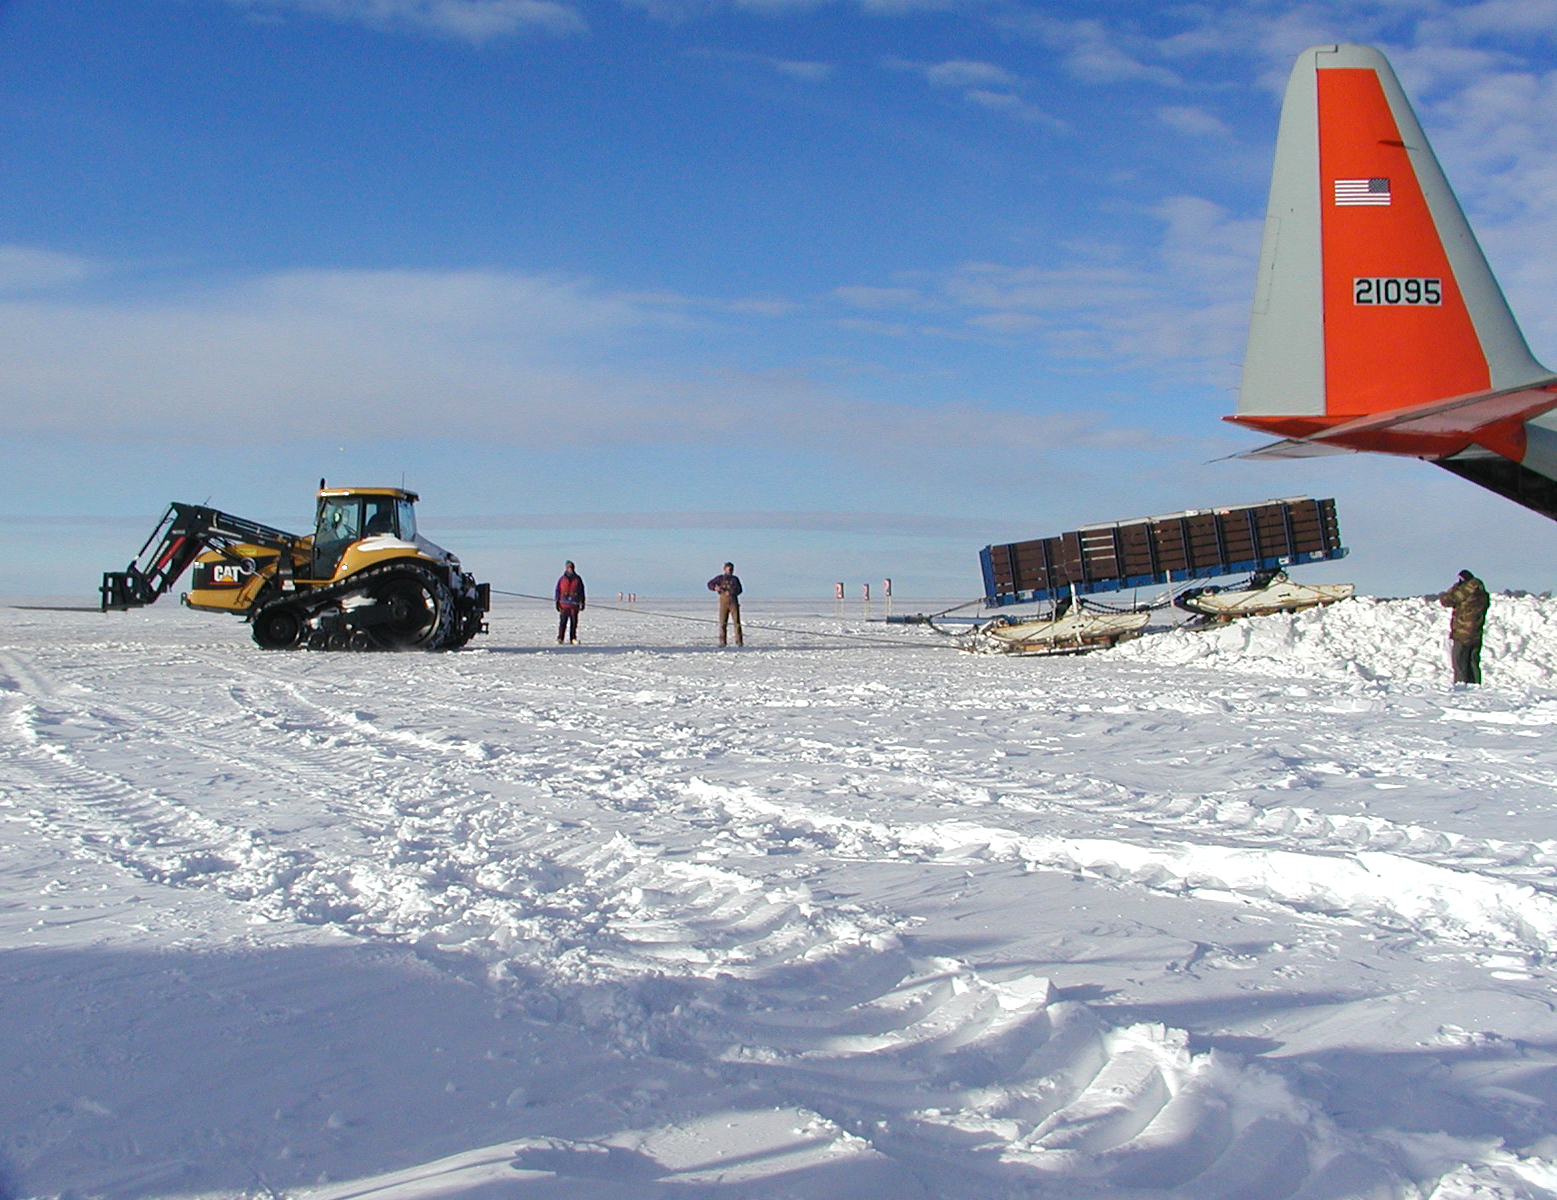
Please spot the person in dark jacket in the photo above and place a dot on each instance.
(728, 585)
(570, 602)
(1467, 601)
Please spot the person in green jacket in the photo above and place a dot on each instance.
(1467, 601)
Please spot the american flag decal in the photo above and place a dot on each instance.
(1362, 191)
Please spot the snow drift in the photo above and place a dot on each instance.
(1398, 640)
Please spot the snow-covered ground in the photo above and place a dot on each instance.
(1259, 912)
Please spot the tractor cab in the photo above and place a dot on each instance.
(347, 515)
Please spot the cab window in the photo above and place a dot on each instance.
(340, 524)
(379, 516)
(340, 519)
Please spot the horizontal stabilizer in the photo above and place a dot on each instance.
(1460, 417)
(1292, 448)
(1436, 429)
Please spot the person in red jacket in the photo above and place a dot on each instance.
(570, 602)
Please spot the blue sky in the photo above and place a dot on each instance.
(839, 290)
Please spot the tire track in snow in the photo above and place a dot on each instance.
(144, 824)
(1234, 819)
(1367, 886)
(1367, 867)
(357, 721)
(1443, 884)
(155, 835)
(431, 859)
(1230, 819)
(1237, 821)
(953, 771)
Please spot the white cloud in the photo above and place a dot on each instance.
(981, 83)
(1006, 102)
(879, 298)
(894, 8)
(683, 10)
(964, 73)
(1193, 121)
(1509, 17)
(1093, 50)
(394, 351)
(877, 328)
(807, 71)
(474, 21)
(811, 72)
(23, 269)
(901, 524)
(1100, 62)
(1178, 307)
(772, 6)
(1004, 290)
(1431, 43)
(541, 362)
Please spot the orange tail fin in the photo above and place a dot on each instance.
(1373, 294)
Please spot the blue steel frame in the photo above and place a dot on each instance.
(1247, 567)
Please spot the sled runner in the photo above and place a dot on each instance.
(1075, 632)
(1277, 594)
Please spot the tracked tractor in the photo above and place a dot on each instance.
(363, 580)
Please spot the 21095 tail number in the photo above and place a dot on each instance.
(1373, 289)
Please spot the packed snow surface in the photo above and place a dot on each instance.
(1261, 911)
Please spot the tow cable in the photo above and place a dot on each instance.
(863, 638)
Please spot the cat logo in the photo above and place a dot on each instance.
(231, 574)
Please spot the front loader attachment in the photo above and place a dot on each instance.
(185, 531)
(165, 556)
(126, 589)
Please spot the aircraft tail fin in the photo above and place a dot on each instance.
(1373, 294)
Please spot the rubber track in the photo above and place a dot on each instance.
(310, 603)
